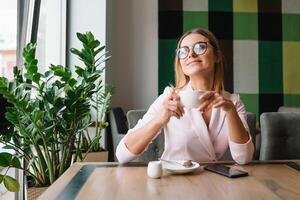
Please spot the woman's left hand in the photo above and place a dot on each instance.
(211, 99)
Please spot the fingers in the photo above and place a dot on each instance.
(203, 105)
(173, 106)
(170, 96)
(217, 98)
(170, 109)
(176, 97)
(207, 95)
(176, 107)
(219, 104)
(225, 104)
(206, 100)
(176, 101)
(211, 100)
(175, 114)
(217, 101)
(181, 109)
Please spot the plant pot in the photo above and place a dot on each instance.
(34, 192)
(101, 156)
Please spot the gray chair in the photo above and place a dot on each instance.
(118, 127)
(255, 134)
(251, 121)
(258, 135)
(280, 136)
(156, 147)
(288, 109)
(133, 117)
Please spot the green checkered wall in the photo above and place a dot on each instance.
(260, 40)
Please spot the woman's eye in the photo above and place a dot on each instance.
(200, 46)
(183, 51)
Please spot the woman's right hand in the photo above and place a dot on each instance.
(171, 107)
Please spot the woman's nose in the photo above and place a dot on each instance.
(192, 54)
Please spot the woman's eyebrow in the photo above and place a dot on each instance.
(194, 44)
(184, 46)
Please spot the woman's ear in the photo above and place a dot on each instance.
(218, 56)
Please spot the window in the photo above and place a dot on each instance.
(51, 34)
(8, 46)
(8, 37)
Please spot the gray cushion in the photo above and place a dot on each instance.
(255, 133)
(280, 136)
(288, 109)
(156, 147)
(133, 117)
(251, 121)
(118, 126)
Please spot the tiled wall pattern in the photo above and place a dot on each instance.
(260, 40)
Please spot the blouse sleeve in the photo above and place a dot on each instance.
(123, 154)
(242, 153)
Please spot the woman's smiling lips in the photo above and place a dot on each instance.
(194, 61)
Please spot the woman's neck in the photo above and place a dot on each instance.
(201, 83)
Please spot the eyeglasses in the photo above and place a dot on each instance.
(198, 48)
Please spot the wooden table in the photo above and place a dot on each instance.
(112, 181)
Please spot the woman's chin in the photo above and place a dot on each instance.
(193, 72)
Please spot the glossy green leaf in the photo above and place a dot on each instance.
(11, 184)
(79, 71)
(90, 36)
(36, 78)
(76, 52)
(82, 37)
(72, 82)
(16, 162)
(5, 159)
(1, 178)
(99, 50)
(32, 69)
(94, 44)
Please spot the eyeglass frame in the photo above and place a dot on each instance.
(193, 51)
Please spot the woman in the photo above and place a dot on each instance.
(202, 134)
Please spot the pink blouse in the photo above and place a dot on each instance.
(189, 138)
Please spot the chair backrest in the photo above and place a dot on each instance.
(118, 126)
(255, 134)
(156, 147)
(288, 109)
(280, 136)
(251, 121)
(133, 117)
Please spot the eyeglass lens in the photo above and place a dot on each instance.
(198, 48)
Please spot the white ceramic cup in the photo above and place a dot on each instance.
(154, 169)
(190, 99)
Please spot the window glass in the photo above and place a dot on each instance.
(8, 37)
(51, 34)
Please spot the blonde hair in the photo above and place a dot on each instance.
(181, 79)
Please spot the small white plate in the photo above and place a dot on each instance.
(177, 168)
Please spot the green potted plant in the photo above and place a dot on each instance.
(90, 148)
(52, 126)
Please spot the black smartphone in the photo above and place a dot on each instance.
(225, 171)
(294, 165)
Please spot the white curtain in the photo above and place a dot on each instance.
(27, 25)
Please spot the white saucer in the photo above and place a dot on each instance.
(177, 168)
